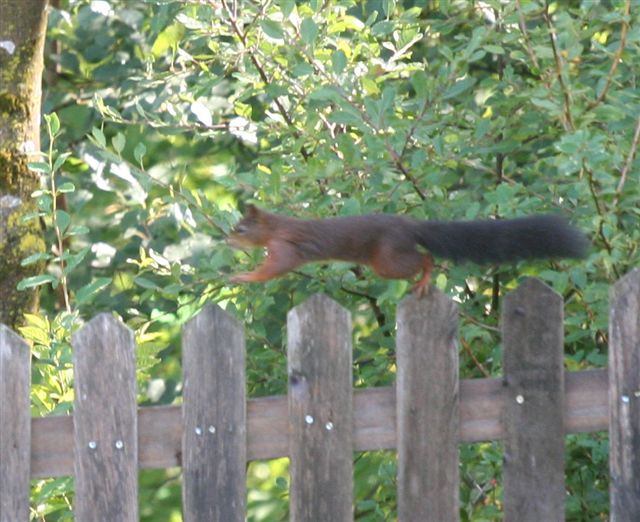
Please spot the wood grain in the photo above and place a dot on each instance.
(320, 411)
(427, 409)
(214, 418)
(15, 426)
(105, 422)
(624, 399)
(481, 419)
(534, 409)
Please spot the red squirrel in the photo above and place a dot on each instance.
(390, 244)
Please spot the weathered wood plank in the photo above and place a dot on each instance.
(15, 426)
(214, 418)
(320, 411)
(481, 419)
(428, 416)
(534, 411)
(624, 399)
(105, 422)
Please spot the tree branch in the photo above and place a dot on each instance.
(263, 75)
(568, 118)
(627, 164)
(616, 57)
(525, 35)
(476, 362)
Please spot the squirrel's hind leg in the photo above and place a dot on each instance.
(421, 288)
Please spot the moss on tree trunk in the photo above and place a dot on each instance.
(22, 33)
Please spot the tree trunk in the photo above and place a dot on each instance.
(23, 25)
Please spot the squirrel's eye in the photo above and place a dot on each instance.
(240, 229)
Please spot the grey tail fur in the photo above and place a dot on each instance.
(501, 241)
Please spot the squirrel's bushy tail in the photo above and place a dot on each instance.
(500, 241)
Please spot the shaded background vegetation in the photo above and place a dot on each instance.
(167, 117)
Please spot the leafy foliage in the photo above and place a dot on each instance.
(171, 115)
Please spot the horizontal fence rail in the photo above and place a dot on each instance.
(482, 404)
(322, 420)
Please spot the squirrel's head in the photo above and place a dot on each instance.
(252, 230)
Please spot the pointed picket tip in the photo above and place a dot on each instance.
(435, 299)
(319, 305)
(533, 286)
(626, 286)
(433, 317)
(10, 342)
(212, 314)
(319, 321)
(101, 327)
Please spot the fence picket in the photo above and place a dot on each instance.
(15, 426)
(624, 399)
(534, 377)
(105, 422)
(214, 418)
(427, 409)
(425, 416)
(320, 411)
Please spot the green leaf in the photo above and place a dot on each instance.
(31, 216)
(345, 118)
(169, 38)
(495, 49)
(39, 166)
(54, 122)
(545, 104)
(388, 6)
(272, 29)
(302, 69)
(370, 86)
(446, 52)
(338, 61)
(145, 283)
(419, 82)
(286, 6)
(62, 220)
(35, 334)
(458, 88)
(308, 31)
(39, 280)
(60, 160)
(139, 152)
(76, 230)
(386, 101)
(325, 93)
(87, 291)
(73, 260)
(98, 135)
(66, 187)
(118, 142)
(35, 258)
(382, 28)
(243, 109)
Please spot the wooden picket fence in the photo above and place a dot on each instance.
(322, 420)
